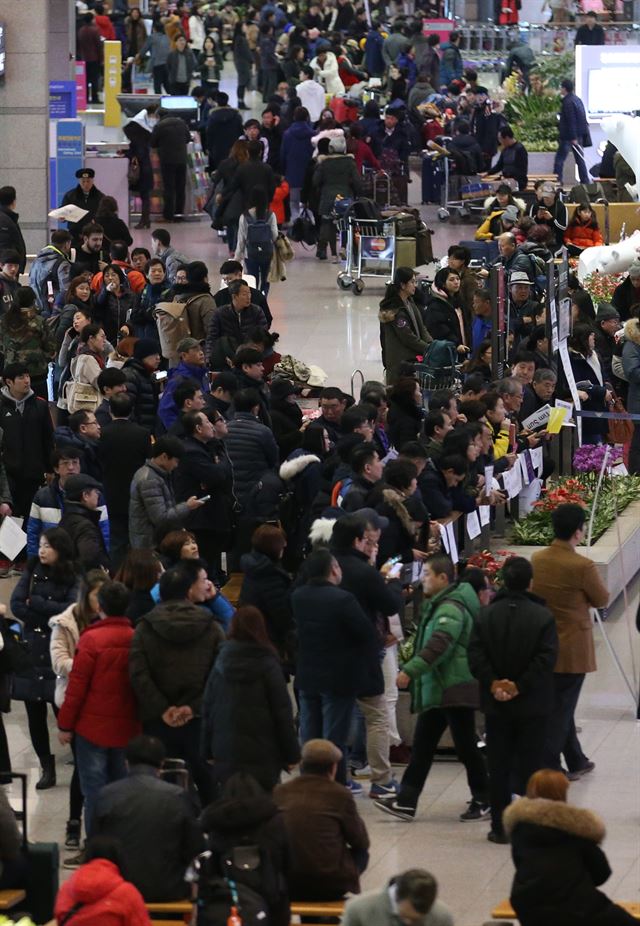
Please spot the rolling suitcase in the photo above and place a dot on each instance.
(431, 181)
(43, 860)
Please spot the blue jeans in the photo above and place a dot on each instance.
(327, 716)
(565, 148)
(259, 270)
(97, 766)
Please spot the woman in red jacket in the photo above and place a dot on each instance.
(97, 894)
(278, 203)
(582, 231)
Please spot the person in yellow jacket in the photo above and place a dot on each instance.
(498, 222)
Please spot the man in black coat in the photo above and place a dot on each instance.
(122, 449)
(334, 634)
(573, 132)
(81, 520)
(438, 482)
(157, 847)
(250, 444)
(590, 32)
(85, 195)
(10, 234)
(367, 468)
(141, 383)
(512, 652)
(233, 270)
(224, 127)
(229, 325)
(171, 137)
(379, 599)
(202, 472)
(27, 436)
(248, 369)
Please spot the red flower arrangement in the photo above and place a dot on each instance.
(491, 563)
(571, 492)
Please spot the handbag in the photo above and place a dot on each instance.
(133, 173)
(36, 681)
(620, 430)
(80, 397)
(304, 229)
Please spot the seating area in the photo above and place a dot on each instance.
(315, 914)
(504, 910)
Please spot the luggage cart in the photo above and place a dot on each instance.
(431, 379)
(370, 250)
(471, 190)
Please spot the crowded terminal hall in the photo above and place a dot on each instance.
(319, 463)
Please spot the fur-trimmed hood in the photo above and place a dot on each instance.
(632, 330)
(395, 501)
(291, 468)
(321, 531)
(576, 821)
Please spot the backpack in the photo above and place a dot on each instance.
(259, 239)
(218, 897)
(340, 490)
(440, 355)
(80, 397)
(172, 320)
(366, 209)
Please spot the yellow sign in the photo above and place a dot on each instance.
(556, 420)
(112, 82)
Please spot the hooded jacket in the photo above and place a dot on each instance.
(439, 668)
(631, 364)
(403, 334)
(99, 703)
(50, 265)
(559, 864)
(27, 435)
(173, 650)
(247, 717)
(335, 175)
(296, 152)
(106, 898)
(38, 596)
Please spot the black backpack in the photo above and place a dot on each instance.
(259, 238)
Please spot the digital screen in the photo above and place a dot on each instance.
(180, 103)
(3, 57)
(621, 84)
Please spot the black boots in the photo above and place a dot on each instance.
(48, 777)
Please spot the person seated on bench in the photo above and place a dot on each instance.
(583, 231)
(328, 839)
(503, 197)
(558, 860)
(409, 897)
(153, 820)
(497, 223)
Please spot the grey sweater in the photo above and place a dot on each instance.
(377, 909)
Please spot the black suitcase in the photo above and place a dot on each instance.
(431, 181)
(43, 859)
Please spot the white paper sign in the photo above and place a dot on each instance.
(473, 525)
(453, 546)
(12, 538)
(444, 536)
(571, 380)
(69, 213)
(488, 478)
(537, 419)
(536, 459)
(619, 470)
(524, 472)
(569, 407)
(485, 514)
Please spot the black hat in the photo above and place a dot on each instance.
(145, 347)
(85, 172)
(280, 388)
(76, 485)
(607, 312)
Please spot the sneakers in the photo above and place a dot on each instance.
(355, 787)
(73, 862)
(475, 811)
(391, 806)
(72, 838)
(388, 790)
(364, 772)
(499, 838)
(574, 776)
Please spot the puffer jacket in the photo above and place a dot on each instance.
(50, 265)
(227, 329)
(403, 334)
(248, 721)
(631, 364)
(99, 703)
(144, 393)
(167, 411)
(153, 511)
(583, 236)
(335, 175)
(83, 526)
(267, 587)
(442, 321)
(173, 650)
(439, 669)
(252, 450)
(559, 864)
(112, 311)
(105, 897)
(63, 645)
(38, 596)
(296, 152)
(205, 469)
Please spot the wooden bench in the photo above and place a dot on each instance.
(181, 911)
(321, 910)
(504, 910)
(231, 590)
(600, 210)
(170, 914)
(11, 898)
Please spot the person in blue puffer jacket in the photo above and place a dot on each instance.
(191, 366)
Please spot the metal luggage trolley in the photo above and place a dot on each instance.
(431, 379)
(370, 250)
(472, 192)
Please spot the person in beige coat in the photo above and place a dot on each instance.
(65, 633)
(570, 585)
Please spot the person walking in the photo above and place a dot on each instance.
(296, 154)
(443, 691)
(571, 586)
(181, 63)
(243, 61)
(512, 653)
(257, 232)
(158, 46)
(573, 132)
(171, 137)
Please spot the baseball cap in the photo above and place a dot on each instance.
(187, 344)
(377, 521)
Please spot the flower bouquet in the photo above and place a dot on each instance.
(589, 457)
(601, 286)
(491, 563)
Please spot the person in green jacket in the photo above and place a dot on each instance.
(443, 691)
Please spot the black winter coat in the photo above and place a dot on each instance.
(404, 421)
(27, 442)
(515, 637)
(334, 634)
(172, 651)
(252, 450)
(227, 329)
(251, 174)
(171, 137)
(82, 525)
(253, 820)
(224, 127)
(122, 449)
(285, 423)
(39, 595)
(441, 320)
(205, 469)
(267, 587)
(112, 311)
(247, 716)
(144, 394)
(11, 235)
(559, 865)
